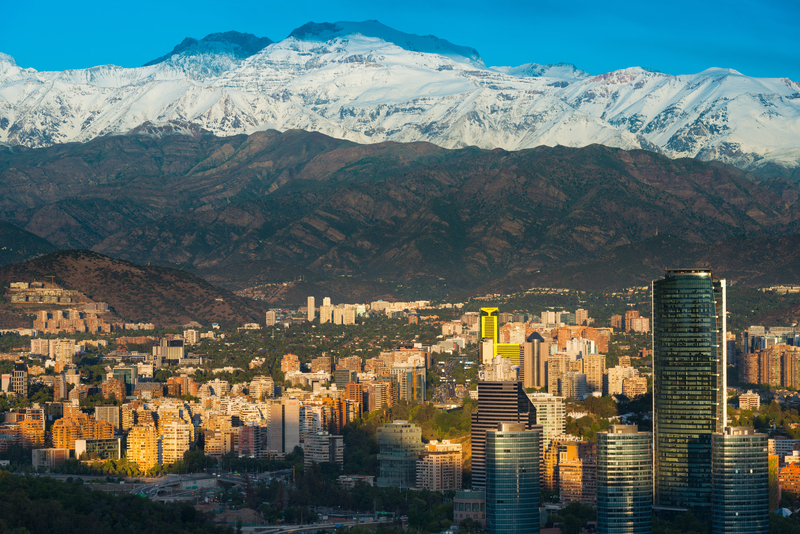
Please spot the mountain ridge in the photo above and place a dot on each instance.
(368, 89)
(134, 292)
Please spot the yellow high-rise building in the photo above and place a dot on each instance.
(65, 432)
(31, 433)
(489, 326)
(143, 446)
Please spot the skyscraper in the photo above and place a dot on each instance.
(512, 479)
(498, 402)
(489, 326)
(689, 329)
(624, 481)
(740, 496)
(533, 356)
(312, 311)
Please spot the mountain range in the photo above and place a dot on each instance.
(367, 83)
(272, 206)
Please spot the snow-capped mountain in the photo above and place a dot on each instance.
(369, 83)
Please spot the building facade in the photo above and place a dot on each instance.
(512, 479)
(400, 444)
(322, 447)
(689, 405)
(740, 496)
(624, 481)
(498, 402)
(439, 466)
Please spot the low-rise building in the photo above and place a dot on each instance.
(469, 504)
(322, 447)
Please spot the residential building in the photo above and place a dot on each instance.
(290, 363)
(634, 387)
(573, 385)
(512, 478)
(19, 379)
(400, 444)
(498, 402)
(577, 474)
(749, 401)
(630, 315)
(624, 481)
(271, 318)
(192, 337)
(326, 313)
(616, 377)
(740, 488)
(557, 365)
(594, 367)
(439, 466)
(65, 431)
(322, 447)
(311, 310)
(689, 366)
(176, 439)
(144, 446)
(98, 449)
(110, 414)
(551, 416)
(262, 387)
(114, 389)
(49, 458)
(253, 441)
(322, 363)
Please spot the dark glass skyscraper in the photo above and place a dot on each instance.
(689, 327)
(512, 479)
(498, 402)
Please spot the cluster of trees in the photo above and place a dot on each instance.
(33, 505)
(315, 485)
(763, 419)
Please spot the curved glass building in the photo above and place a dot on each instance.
(512, 479)
(741, 482)
(624, 481)
(689, 327)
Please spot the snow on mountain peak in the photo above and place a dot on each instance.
(430, 44)
(239, 45)
(5, 58)
(562, 71)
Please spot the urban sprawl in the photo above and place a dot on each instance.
(543, 394)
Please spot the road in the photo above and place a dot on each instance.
(304, 528)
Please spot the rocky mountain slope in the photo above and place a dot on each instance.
(368, 83)
(415, 214)
(17, 245)
(750, 262)
(166, 297)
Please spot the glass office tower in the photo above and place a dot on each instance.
(740, 495)
(512, 479)
(624, 481)
(498, 402)
(689, 328)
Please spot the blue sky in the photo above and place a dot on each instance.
(678, 37)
